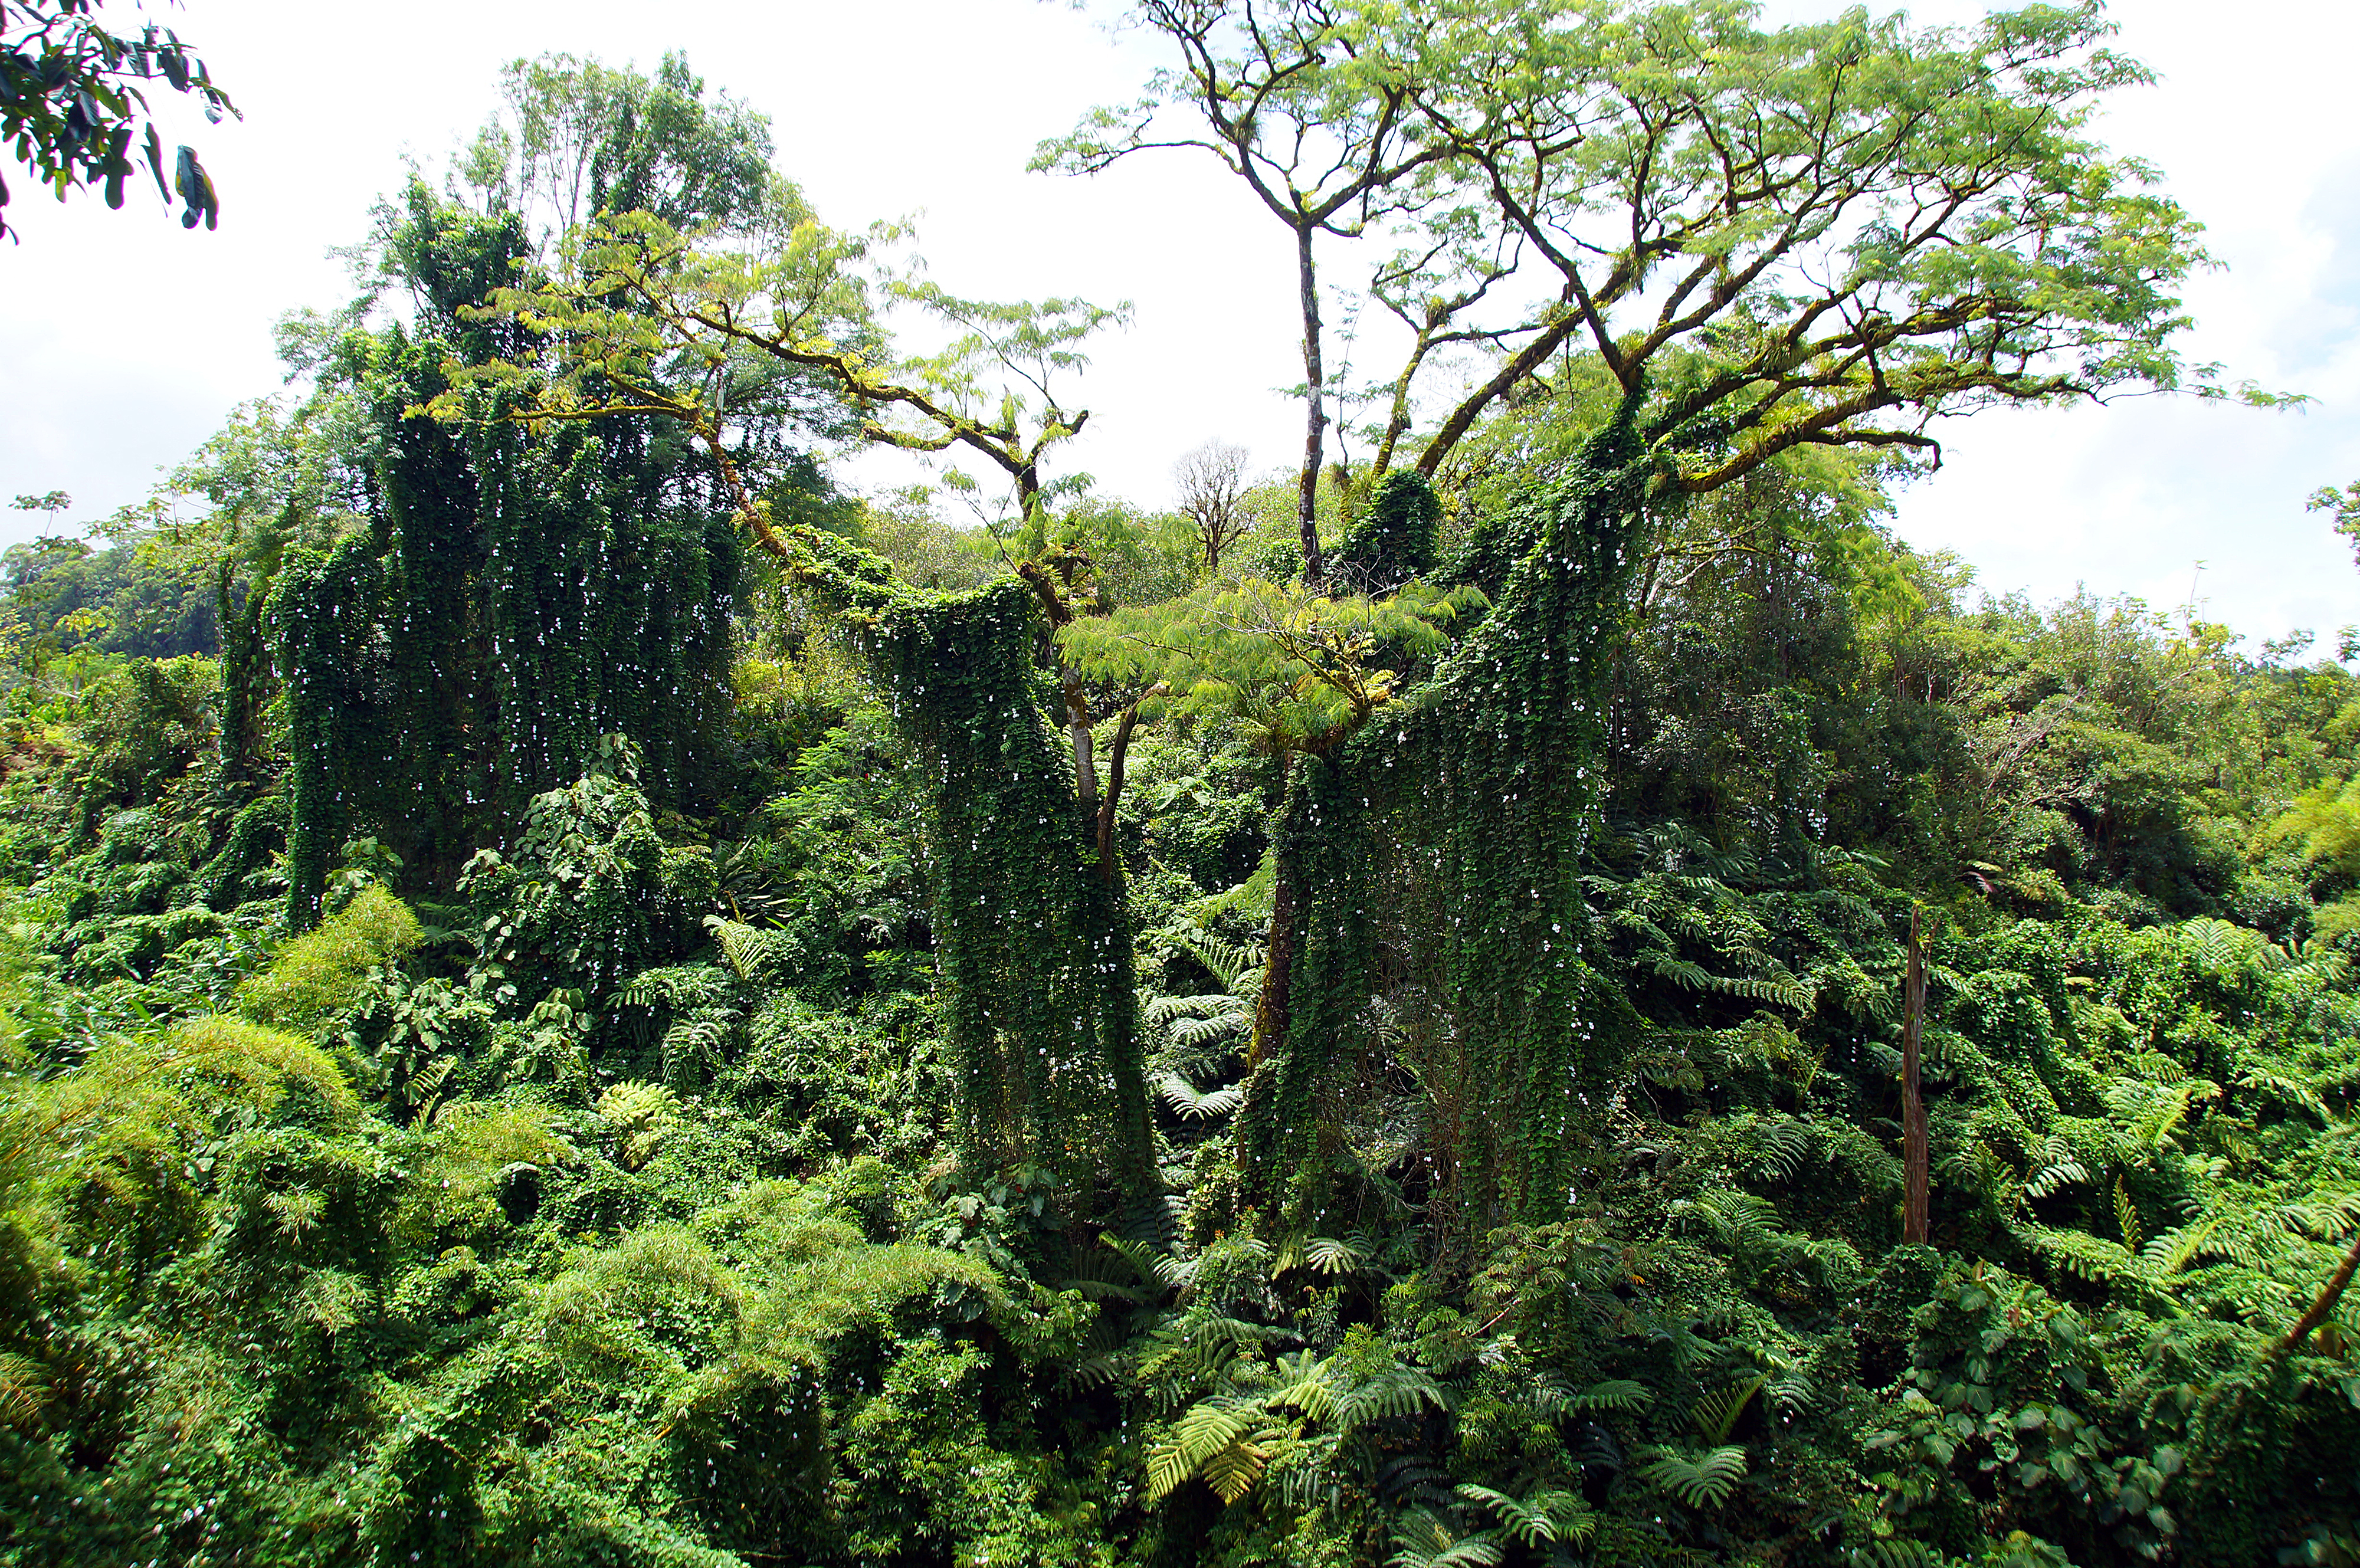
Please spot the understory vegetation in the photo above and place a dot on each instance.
(576, 993)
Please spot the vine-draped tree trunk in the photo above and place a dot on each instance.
(1480, 792)
(243, 673)
(1914, 1161)
(1032, 929)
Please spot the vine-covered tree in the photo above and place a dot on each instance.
(1031, 923)
(1762, 240)
(516, 596)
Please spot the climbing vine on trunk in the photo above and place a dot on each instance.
(1033, 939)
(1468, 801)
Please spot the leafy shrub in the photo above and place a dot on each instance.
(326, 970)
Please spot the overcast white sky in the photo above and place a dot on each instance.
(124, 340)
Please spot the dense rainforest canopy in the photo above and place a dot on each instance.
(579, 992)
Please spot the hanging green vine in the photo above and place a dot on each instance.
(1470, 801)
(1395, 537)
(1032, 938)
(518, 594)
(324, 605)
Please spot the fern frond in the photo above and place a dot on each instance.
(2169, 1253)
(1423, 1539)
(1546, 1517)
(1716, 1413)
(1897, 1551)
(2091, 1257)
(747, 950)
(2289, 1091)
(1397, 1392)
(1183, 1097)
(1704, 1483)
(1614, 1394)
(2048, 1177)
(23, 1390)
(1332, 1257)
(1236, 965)
(1214, 1439)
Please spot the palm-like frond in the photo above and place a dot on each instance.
(1223, 1439)
(1701, 1483)
(1184, 1097)
(1716, 1413)
(1423, 1538)
(1542, 1518)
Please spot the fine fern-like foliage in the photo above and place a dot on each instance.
(642, 1115)
(1705, 1481)
(1424, 1539)
(324, 972)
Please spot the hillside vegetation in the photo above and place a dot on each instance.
(577, 994)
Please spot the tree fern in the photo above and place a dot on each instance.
(1423, 1538)
(1214, 1439)
(1614, 1394)
(1701, 1483)
(1543, 1517)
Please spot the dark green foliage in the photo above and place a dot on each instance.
(517, 597)
(1487, 783)
(590, 892)
(1395, 537)
(832, 868)
(244, 851)
(1032, 938)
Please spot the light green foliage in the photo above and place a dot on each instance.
(641, 1116)
(2327, 821)
(327, 971)
(477, 1149)
(1298, 670)
(1795, 183)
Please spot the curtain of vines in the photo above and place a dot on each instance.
(1464, 814)
(527, 593)
(1033, 943)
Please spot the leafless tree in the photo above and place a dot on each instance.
(1212, 480)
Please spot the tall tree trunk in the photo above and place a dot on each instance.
(1914, 1151)
(240, 644)
(1315, 422)
(2321, 1306)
